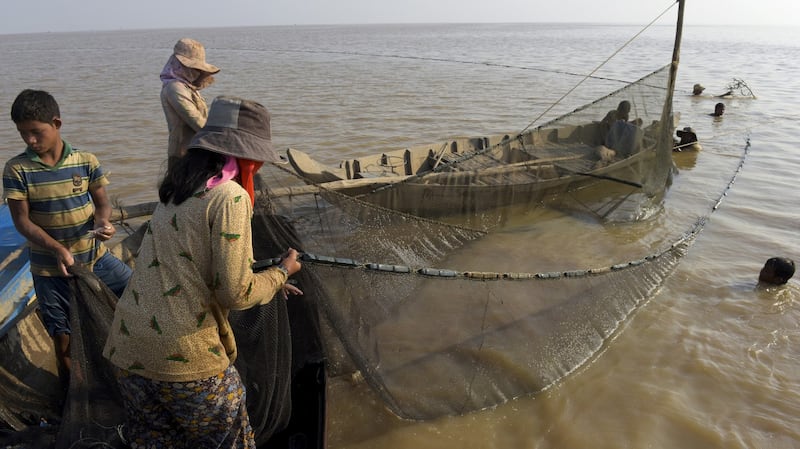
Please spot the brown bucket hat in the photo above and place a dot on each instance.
(239, 128)
(192, 54)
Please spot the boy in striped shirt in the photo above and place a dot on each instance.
(58, 201)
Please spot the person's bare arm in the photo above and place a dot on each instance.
(103, 229)
(20, 214)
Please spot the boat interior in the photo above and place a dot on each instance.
(542, 143)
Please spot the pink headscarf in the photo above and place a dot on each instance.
(235, 167)
(229, 171)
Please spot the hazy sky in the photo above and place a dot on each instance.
(79, 15)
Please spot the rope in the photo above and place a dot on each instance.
(469, 155)
(432, 59)
(444, 273)
(557, 102)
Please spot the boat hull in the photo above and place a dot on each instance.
(529, 168)
(28, 374)
(441, 199)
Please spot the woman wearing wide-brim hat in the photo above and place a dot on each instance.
(170, 337)
(183, 76)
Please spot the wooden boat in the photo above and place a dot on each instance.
(421, 159)
(470, 174)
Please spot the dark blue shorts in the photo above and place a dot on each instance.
(53, 293)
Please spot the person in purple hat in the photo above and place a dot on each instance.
(183, 76)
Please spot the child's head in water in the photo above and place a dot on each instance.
(777, 271)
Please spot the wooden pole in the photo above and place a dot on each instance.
(137, 210)
(665, 155)
(676, 49)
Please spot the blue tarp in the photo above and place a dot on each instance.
(16, 285)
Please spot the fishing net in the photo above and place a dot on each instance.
(444, 303)
(479, 181)
(738, 87)
(92, 412)
(425, 291)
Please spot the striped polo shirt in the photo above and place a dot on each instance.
(59, 202)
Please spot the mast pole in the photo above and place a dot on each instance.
(664, 152)
(676, 50)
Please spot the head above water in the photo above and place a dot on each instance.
(719, 109)
(697, 89)
(777, 271)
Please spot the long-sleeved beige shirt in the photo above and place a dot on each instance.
(193, 254)
(186, 112)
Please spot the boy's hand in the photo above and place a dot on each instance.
(64, 259)
(104, 233)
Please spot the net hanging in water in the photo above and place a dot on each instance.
(434, 342)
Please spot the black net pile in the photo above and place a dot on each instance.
(92, 412)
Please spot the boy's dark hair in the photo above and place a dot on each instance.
(189, 174)
(783, 267)
(35, 105)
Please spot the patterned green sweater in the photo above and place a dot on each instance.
(192, 254)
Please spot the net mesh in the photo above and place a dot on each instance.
(470, 179)
(412, 296)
